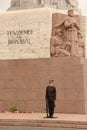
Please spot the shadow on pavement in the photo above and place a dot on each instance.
(50, 118)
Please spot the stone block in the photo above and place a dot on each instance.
(25, 34)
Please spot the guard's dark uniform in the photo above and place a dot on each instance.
(50, 99)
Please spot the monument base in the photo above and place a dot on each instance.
(23, 84)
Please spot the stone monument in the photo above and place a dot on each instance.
(28, 4)
(40, 44)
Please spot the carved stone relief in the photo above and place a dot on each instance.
(57, 4)
(67, 39)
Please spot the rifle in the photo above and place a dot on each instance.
(47, 108)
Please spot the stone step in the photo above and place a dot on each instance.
(44, 123)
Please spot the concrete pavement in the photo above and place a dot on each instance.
(39, 120)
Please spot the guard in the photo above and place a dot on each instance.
(50, 99)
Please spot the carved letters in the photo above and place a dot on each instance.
(19, 37)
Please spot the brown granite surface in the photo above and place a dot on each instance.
(23, 84)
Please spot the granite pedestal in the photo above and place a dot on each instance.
(23, 84)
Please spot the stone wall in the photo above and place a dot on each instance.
(25, 34)
(23, 84)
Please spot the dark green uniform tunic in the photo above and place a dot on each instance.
(50, 99)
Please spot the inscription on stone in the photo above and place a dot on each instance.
(25, 34)
(19, 37)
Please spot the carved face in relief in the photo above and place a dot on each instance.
(71, 12)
